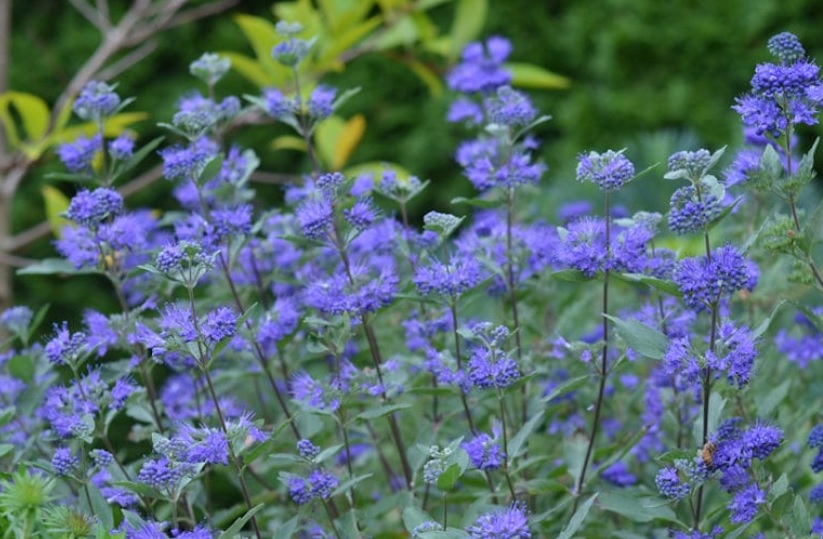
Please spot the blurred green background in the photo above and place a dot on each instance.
(646, 75)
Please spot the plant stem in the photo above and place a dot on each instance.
(706, 382)
(524, 395)
(331, 519)
(505, 445)
(601, 391)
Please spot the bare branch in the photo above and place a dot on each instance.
(103, 10)
(200, 12)
(15, 261)
(142, 181)
(91, 15)
(273, 178)
(43, 229)
(127, 61)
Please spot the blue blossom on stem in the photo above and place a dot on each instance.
(65, 347)
(307, 449)
(278, 106)
(16, 319)
(609, 170)
(187, 161)
(715, 533)
(509, 523)
(490, 162)
(510, 108)
(63, 462)
(488, 369)
(484, 452)
(462, 273)
(122, 147)
(96, 101)
(78, 155)
(481, 67)
(784, 94)
(704, 282)
(320, 102)
(743, 506)
(669, 484)
(692, 213)
(816, 436)
(89, 208)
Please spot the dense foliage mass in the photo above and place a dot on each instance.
(328, 369)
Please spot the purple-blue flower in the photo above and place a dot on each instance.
(508, 523)
(481, 67)
(63, 462)
(669, 484)
(484, 452)
(609, 170)
(77, 156)
(96, 101)
(743, 506)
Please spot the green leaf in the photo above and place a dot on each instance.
(567, 387)
(764, 325)
(636, 507)
(469, 18)
(52, 266)
(449, 477)
(380, 411)
(668, 287)
(260, 450)
(414, 517)
(347, 525)
(571, 275)
(231, 531)
(327, 453)
(6, 415)
(286, 530)
(779, 487)
(138, 488)
(100, 507)
(812, 228)
(799, 521)
(533, 76)
(478, 202)
(138, 157)
(643, 339)
(518, 444)
(5, 449)
(577, 519)
(574, 452)
(56, 204)
(346, 485)
(32, 110)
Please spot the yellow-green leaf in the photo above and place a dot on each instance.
(301, 11)
(376, 169)
(112, 127)
(533, 76)
(469, 19)
(262, 37)
(251, 69)
(347, 141)
(289, 142)
(342, 42)
(401, 33)
(428, 76)
(326, 136)
(33, 112)
(56, 203)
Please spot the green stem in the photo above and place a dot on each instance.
(601, 391)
